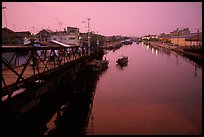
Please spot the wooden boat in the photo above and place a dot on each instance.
(98, 65)
(122, 61)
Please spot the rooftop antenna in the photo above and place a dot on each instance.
(89, 37)
(33, 30)
(60, 25)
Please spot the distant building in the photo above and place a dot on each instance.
(183, 38)
(69, 36)
(44, 35)
(30, 39)
(177, 32)
(148, 37)
(164, 37)
(192, 39)
(195, 41)
(178, 40)
(13, 38)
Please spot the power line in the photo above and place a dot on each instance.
(52, 17)
(40, 9)
(75, 11)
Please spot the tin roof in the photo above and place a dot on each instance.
(60, 43)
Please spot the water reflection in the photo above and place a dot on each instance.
(195, 66)
(156, 52)
(121, 67)
(163, 51)
(74, 118)
(156, 94)
(64, 110)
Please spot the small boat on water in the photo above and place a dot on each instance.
(122, 61)
(98, 65)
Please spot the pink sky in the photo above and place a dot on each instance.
(108, 18)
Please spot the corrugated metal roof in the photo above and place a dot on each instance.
(59, 43)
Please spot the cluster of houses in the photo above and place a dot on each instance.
(178, 37)
(69, 36)
(10, 37)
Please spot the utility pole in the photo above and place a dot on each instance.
(89, 37)
(6, 23)
(32, 30)
(4, 15)
(89, 44)
(198, 37)
(177, 35)
(97, 42)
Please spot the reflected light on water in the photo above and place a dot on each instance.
(150, 96)
(152, 50)
(147, 47)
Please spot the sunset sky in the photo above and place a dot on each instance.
(108, 18)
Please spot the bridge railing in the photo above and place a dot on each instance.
(37, 60)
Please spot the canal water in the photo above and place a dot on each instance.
(159, 92)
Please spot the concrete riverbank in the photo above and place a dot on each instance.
(192, 53)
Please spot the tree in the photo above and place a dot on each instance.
(93, 40)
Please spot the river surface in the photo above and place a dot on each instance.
(159, 92)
